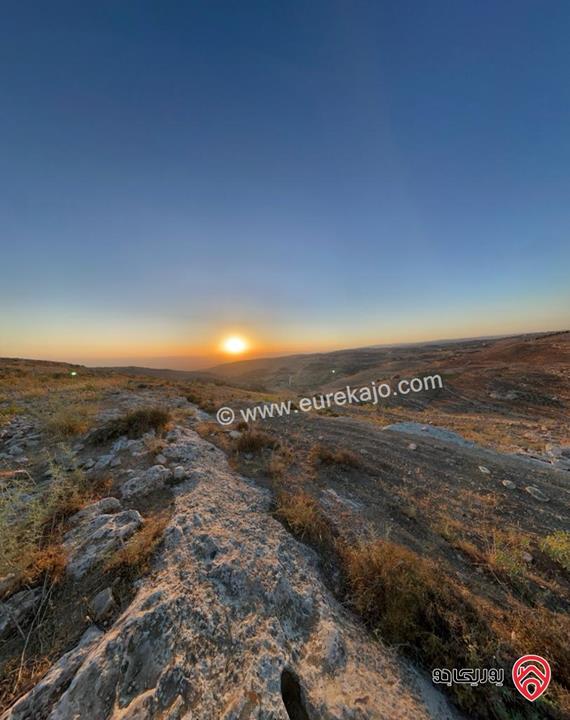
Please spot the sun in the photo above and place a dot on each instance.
(234, 345)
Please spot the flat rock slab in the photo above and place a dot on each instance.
(430, 431)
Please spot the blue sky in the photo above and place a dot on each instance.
(311, 175)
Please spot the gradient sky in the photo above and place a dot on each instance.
(313, 175)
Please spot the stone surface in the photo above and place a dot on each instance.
(179, 473)
(536, 493)
(152, 479)
(17, 609)
(106, 505)
(99, 536)
(36, 703)
(103, 604)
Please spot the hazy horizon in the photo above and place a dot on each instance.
(200, 364)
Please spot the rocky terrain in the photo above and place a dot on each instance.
(157, 565)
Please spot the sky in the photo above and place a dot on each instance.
(306, 175)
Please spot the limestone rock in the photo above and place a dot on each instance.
(93, 540)
(36, 703)
(537, 494)
(103, 604)
(17, 609)
(106, 505)
(152, 479)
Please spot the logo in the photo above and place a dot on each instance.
(531, 676)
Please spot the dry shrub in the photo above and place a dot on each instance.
(504, 554)
(327, 456)
(303, 514)
(49, 561)
(542, 629)
(68, 421)
(133, 424)
(20, 675)
(255, 440)
(133, 559)
(280, 460)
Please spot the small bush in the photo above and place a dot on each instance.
(303, 514)
(255, 440)
(557, 547)
(327, 456)
(66, 422)
(133, 558)
(133, 424)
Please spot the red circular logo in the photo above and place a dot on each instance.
(531, 676)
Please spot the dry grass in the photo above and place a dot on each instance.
(557, 547)
(252, 441)
(504, 553)
(32, 519)
(68, 421)
(303, 514)
(133, 424)
(133, 559)
(321, 454)
(280, 460)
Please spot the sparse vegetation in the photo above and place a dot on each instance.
(281, 458)
(32, 518)
(253, 441)
(327, 456)
(133, 424)
(133, 558)
(69, 420)
(557, 547)
(303, 514)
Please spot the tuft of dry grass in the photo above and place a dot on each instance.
(504, 553)
(321, 454)
(69, 420)
(557, 547)
(303, 514)
(133, 559)
(255, 440)
(280, 460)
(133, 424)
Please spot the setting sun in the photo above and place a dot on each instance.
(234, 345)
